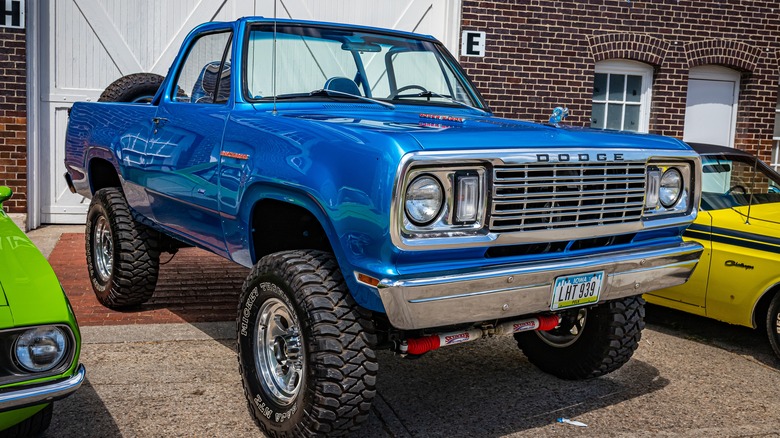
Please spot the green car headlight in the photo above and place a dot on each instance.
(40, 349)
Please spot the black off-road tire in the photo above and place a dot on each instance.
(131, 248)
(30, 427)
(607, 340)
(773, 324)
(338, 366)
(135, 88)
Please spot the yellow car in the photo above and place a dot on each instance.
(737, 279)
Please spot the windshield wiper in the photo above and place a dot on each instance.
(326, 92)
(430, 94)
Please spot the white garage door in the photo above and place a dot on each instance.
(87, 44)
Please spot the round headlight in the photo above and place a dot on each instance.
(423, 200)
(41, 348)
(671, 187)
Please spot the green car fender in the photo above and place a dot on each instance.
(30, 295)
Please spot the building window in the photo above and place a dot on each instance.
(776, 140)
(621, 96)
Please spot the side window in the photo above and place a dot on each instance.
(204, 77)
(621, 96)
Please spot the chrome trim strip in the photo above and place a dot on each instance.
(24, 396)
(470, 237)
(525, 288)
(475, 294)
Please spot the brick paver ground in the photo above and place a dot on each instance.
(195, 286)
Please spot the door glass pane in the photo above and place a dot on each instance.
(631, 122)
(597, 118)
(197, 78)
(616, 86)
(614, 116)
(600, 87)
(633, 88)
(777, 125)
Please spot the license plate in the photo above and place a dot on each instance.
(576, 290)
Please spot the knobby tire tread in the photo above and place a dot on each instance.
(136, 265)
(615, 331)
(340, 345)
(128, 88)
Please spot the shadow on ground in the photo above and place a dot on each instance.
(489, 389)
(193, 286)
(744, 341)
(82, 414)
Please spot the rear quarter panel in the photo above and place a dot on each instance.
(115, 132)
(745, 266)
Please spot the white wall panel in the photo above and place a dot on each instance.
(87, 44)
(440, 18)
(148, 26)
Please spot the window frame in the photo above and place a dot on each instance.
(173, 91)
(633, 68)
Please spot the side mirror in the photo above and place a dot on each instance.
(5, 193)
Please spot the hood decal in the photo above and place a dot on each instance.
(442, 118)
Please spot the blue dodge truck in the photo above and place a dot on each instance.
(380, 205)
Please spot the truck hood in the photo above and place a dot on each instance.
(464, 130)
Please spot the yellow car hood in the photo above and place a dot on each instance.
(764, 219)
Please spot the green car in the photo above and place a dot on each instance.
(39, 338)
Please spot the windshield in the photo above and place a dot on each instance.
(733, 181)
(389, 68)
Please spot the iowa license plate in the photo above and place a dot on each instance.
(576, 290)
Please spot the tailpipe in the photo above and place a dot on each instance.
(418, 346)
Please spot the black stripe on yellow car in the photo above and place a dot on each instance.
(736, 238)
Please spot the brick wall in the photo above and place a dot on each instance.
(13, 118)
(542, 54)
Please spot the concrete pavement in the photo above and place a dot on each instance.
(689, 377)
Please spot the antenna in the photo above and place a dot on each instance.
(752, 188)
(273, 62)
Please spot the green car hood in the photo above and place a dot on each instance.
(31, 293)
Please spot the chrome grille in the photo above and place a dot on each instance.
(547, 196)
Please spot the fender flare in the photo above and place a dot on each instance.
(261, 191)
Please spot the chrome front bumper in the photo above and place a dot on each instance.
(22, 396)
(522, 289)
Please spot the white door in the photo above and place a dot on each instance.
(87, 44)
(711, 105)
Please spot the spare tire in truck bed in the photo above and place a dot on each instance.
(134, 88)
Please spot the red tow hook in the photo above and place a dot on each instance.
(418, 346)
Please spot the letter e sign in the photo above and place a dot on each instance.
(472, 43)
(12, 13)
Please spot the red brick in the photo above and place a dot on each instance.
(195, 286)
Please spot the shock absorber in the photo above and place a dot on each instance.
(418, 346)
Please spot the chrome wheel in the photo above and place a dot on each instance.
(567, 332)
(279, 352)
(103, 248)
